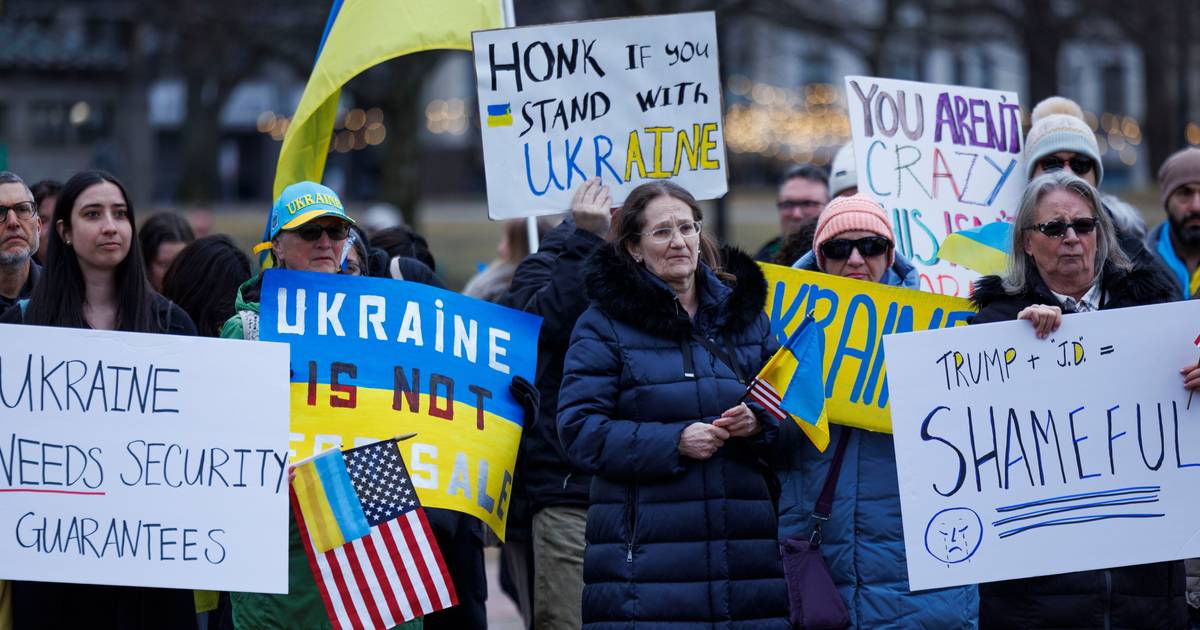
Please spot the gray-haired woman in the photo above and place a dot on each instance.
(1065, 259)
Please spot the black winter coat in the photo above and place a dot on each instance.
(672, 541)
(549, 284)
(1147, 596)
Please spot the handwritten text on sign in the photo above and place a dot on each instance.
(1020, 457)
(940, 158)
(854, 316)
(628, 101)
(142, 460)
(375, 358)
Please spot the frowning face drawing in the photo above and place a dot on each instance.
(953, 535)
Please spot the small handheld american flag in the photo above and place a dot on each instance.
(369, 544)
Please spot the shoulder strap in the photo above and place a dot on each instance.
(824, 506)
(725, 356)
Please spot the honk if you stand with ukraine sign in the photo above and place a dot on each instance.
(374, 358)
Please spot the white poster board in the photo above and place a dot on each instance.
(143, 460)
(1020, 457)
(628, 100)
(940, 158)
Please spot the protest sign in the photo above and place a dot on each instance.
(376, 358)
(1020, 457)
(854, 315)
(940, 158)
(629, 101)
(143, 460)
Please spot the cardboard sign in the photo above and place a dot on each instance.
(375, 358)
(940, 158)
(1020, 457)
(628, 101)
(143, 460)
(854, 316)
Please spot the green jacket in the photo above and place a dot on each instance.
(302, 607)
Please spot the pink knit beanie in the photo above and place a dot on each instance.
(852, 214)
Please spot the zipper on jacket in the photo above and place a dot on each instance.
(631, 498)
(566, 480)
(1107, 599)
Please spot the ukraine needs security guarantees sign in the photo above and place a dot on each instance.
(940, 158)
(1020, 457)
(375, 358)
(854, 315)
(143, 460)
(628, 100)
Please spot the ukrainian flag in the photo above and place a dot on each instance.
(792, 383)
(1195, 288)
(360, 34)
(332, 511)
(499, 115)
(983, 249)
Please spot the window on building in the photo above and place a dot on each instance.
(1113, 83)
(70, 122)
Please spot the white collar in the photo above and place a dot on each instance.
(1092, 299)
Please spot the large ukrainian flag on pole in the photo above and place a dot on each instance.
(360, 34)
(792, 382)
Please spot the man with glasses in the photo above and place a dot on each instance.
(803, 193)
(1177, 241)
(18, 240)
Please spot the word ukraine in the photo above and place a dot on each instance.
(854, 316)
(372, 359)
(626, 100)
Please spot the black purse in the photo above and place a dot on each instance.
(814, 603)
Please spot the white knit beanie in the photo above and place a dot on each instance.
(844, 173)
(1057, 125)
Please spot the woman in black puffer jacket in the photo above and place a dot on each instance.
(681, 527)
(1065, 259)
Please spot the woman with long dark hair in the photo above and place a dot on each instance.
(162, 237)
(94, 278)
(203, 280)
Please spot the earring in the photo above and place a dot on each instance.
(68, 243)
(637, 259)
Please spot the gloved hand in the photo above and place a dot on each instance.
(527, 396)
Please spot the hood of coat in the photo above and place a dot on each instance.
(629, 293)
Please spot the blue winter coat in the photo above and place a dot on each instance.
(672, 541)
(863, 541)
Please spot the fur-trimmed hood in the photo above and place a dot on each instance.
(1140, 285)
(628, 292)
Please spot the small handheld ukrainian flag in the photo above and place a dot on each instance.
(499, 115)
(792, 383)
(983, 249)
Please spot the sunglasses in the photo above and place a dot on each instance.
(1058, 229)
(1080, 164)
(311, 231)
(840, 248)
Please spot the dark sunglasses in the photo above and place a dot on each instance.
(1058, 229)
(311, 231)
(1080, 164)
(840, 248)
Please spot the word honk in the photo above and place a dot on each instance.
(462, 337)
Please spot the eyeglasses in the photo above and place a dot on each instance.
(1080, 164)
(840, 248)
(24, 210)
(1058, 229)
(312, 231)
(807, 204)
(688, 230)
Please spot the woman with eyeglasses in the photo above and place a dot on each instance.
(681, 526)
(862, 542)
(1065, 259)
(94, 278)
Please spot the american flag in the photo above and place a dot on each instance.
(394, 573)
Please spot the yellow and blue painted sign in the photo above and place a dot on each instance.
(374, 358)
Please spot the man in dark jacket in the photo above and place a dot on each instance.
(803, 193)
(550, 283)
(1176, 242)
(18, 240)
